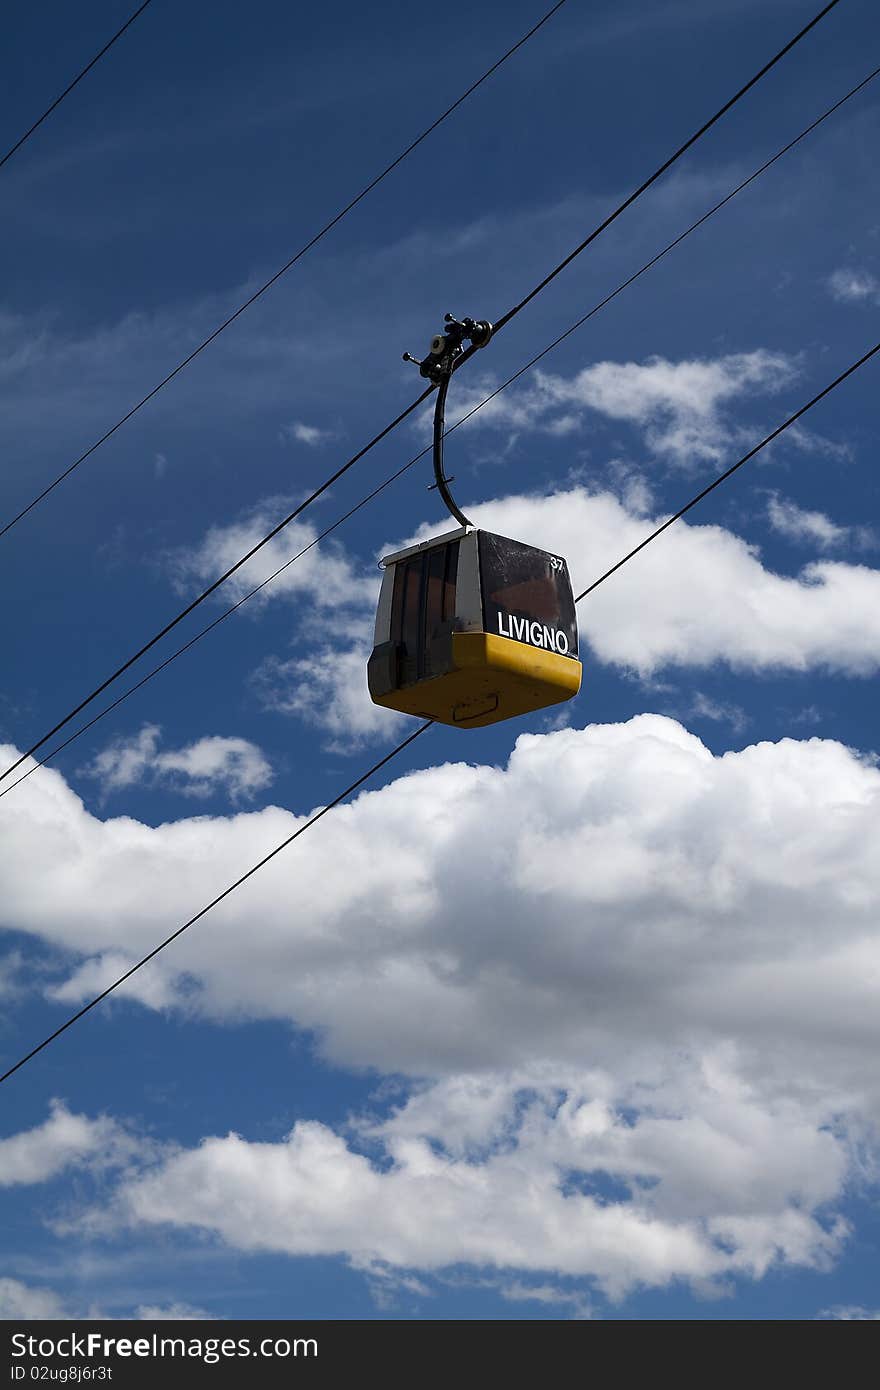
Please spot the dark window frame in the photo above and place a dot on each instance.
(413, 632)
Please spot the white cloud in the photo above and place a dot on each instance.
(678, 404)
(680, 407)
(327, 688)
(811, 442)
(799, 524)
(234, 764)
(676, 892)
(734, 1190)
(64, 1140)
(696, 596)
(99, 973)
(310, 435)
(28, 1302)
(854, 286)
(25, 1302)
(210, 765)
(126, 760)
(518, 1292)
(173, 1312)
(664, 977)
(323, 575)
(850, 1314)
(719, 711)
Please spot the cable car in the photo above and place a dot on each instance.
(472, 628)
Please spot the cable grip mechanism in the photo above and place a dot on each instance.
(445, 356)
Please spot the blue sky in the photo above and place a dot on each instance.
(570, 1017)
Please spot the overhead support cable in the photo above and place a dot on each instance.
(667, 164)
(506, 318)
(722, 477)
(74, 1018)
(126, 665)
(75, 83)
(252, 299)
(625, 284)
(671, 245)
(209, 627)
(212, 588)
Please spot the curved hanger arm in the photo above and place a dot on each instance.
(441, 482)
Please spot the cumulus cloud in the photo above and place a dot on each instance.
(638, 982)
(798, 524)
(234, 766)
(734, 1189)
(678, 404)
(25, 1302)
(126, 760)
(679, 407)
(327, 688)
(698, 595)
(322, 575)
(676, 892)
(854, 286)
(63, 1141)
(99, 973)
(28, 1302)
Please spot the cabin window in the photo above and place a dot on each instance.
(423, 600)
(436, 567)
(450, 575)
(412, 594)
(527, 595)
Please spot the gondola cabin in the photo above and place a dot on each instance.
(473, 628)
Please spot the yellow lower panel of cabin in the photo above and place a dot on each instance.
(493, 678)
